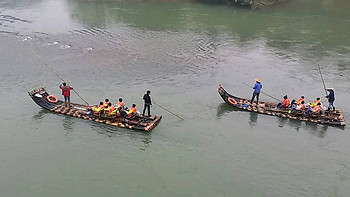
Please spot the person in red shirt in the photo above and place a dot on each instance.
(66, 91)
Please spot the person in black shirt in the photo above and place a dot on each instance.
(148, 103)
(331, 99)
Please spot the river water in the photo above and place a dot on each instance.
(180, 51)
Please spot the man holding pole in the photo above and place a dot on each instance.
(148, 103)
(331, 99)
(66, 91)
(257, 87)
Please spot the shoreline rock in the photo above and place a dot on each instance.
(253, 4)
(256, 4)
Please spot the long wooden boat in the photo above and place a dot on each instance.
(40, 97)
(268, 108)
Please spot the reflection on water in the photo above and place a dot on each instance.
(318, 130)
(274, 25)
(253, 118)
(40, 115)
(113, 131)
(223, 109)
(68, 123)
(311, 34)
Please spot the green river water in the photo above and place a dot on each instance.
(180, 51)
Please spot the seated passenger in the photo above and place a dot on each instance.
(301, 106)
(106, 103)
(132, 110)
(308, 108)
(318, 100)
(299, 100)
(293, 106)
(98, 109)
(120, 104)
(284, 104)
(112, 110)
(317, 109)
(106, 109)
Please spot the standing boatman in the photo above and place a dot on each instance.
(331, 99)
(66, 91)
(148, 103)
(257, 87)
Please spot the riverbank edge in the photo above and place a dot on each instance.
(258, 4)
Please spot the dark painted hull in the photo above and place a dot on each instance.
(81, 111)
(329, 118)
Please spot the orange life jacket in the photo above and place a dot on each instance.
(317, 108)
(111, 110)
(299, 101)
(285, 102)
(131, 111)
(107, 109)
(120, 105)
(301, 107)
(315, 103)
(97, 109)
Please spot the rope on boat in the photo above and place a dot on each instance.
(42, 60)
(262, 92)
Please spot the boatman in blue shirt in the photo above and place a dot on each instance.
(257, 87)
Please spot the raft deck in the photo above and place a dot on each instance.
(81, 111)
(328, 117)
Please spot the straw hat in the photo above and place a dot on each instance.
(257, 80)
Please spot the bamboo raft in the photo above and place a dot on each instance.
(40, 97)
(328, 117)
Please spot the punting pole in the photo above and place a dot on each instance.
(41, 59)
(324, 86)
(262, 92)
(166, 109)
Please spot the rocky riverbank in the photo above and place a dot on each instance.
(253, 4)
(256, 4)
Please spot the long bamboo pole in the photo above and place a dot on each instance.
(42, 60)
(324, 85)
(166, 110)
(262, 92)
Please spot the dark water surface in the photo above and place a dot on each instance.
(181, 52)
